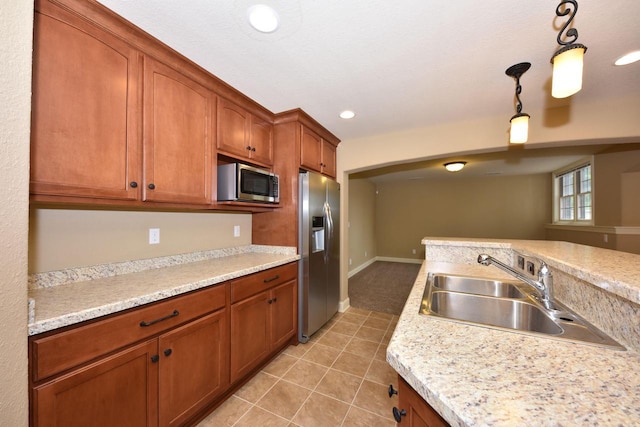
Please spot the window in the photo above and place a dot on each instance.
(574, 196)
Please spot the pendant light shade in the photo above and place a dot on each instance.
(567, 61)
(519, 132)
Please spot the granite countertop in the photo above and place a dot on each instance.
(67, 297)
(479, 376)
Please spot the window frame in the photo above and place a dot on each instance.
(555, 179)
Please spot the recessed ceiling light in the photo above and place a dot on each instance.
(629, 58)
(347, 114)
(454, 166)
(263, 18)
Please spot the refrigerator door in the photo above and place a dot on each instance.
(333, 248)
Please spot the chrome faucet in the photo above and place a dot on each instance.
(544, 284)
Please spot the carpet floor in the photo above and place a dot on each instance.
(383, 286)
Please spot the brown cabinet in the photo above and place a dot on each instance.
(413, 410)
(86, 99)
(101, 374)
(316, 153)
(178, 154)
(263, 317)
(193, 367)
(244, 135)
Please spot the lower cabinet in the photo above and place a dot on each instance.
(263, 317)
(413, 411)
(193, 367)
(119, 390)
(165, 363)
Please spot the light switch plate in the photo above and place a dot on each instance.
(236, 231)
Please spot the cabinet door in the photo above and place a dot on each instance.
(233, 129)
(283, 313)
(261, 141)
(328, 159)
(418, 412)
(119, 390)
(84, 136)
(177, 137)
(310, 150)
(193, 367)
(249, 334)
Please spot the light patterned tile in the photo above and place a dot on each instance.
(321, 411)
(335, 340)
(370, 334)
(259, 417)
(363, 348)
(226, 414)
(351, 364)
(253, 390)
(306, 374)
(374, 398)
(280, 365)
(284, 399)
(382, 373)
(339, 385)
(322, 354)
(360, 418)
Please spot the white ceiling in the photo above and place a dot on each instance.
(397, 64)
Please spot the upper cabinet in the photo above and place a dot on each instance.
(177, 137)
(244, 135)
(316, 153)
(84, 139)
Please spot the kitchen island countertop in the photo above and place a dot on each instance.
(475, 376)
(65, 304)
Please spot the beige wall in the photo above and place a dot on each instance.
(617, 188)
(362, 234)
(15, 113)
(510, 207)
(60, 238)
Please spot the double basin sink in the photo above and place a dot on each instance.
(506, 305)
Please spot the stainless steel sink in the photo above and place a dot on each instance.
(507, 306)
(472, 285)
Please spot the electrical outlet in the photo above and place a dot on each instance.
(350, 261)
(531, 268)
(154, 236)
(521, 262)
(413, 251)
(236, 231)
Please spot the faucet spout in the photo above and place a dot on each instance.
(544, 284)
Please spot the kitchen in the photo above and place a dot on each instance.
(603, 118)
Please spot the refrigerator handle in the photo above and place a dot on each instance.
(328, 231)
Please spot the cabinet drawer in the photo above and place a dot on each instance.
(55, 353)
(251, 285)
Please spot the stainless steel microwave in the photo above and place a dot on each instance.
(244, 183)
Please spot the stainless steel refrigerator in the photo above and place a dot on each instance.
(319, 248)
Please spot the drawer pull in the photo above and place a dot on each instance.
(153, 322)
(155, 358)
(276, 277)
(168, 352)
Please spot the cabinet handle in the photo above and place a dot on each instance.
(392, 391)
(248, 148)
(269, 301)
(168, 352)
(155, 358)
(275, 299)
(398, 414)
(276, 277)
(152, 186)
(253, 148)
(133, 184)
(153, 322)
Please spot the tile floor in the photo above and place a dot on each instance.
(339, 378)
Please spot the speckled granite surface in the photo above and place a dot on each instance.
(476, 376)
(106, 289)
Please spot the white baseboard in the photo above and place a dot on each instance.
(405, 260)
(366, 264)
(344, 305)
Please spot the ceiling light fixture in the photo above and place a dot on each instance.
(263, 18)
(519, 132)
(568, 60)
(454, 166)
(347, 114)
(629, 58)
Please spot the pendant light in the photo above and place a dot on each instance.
(519, 131)
(568, 60)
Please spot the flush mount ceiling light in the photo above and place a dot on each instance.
(347, 114)
(567, 61)
(454, 166)
(263, 18)
(519, 132)
(629, 58)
